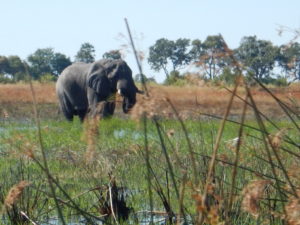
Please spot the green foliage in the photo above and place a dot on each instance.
(165, 51)
(113, 54)
(15, 65)
(227, 76)
(258, 56)
(59, 62)
(12, 68)
(175, 78)
(138, 79)
(210, 55)
(5, 79)
(3, 64)
(46, 61)
(86, 53)
(40, 62)
(159, 54)
(47, 77)
(279, 81)
(289, 59)
(196, 51)
(180, 55)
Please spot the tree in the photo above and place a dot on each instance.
(113, 54)
(289, 59)
(210, 55)
(180, 55)
(196, 51)
(3, 65)
(258, 56)
(13, 67)
(40, 62)
(165, 51)
(16, 68)
(159, 54)
(46, 61)
(86, 53)
(59, 62)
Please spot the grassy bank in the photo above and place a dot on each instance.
(87, 161)
(190, 101)
(179, 164)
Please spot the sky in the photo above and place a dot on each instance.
(64, 25)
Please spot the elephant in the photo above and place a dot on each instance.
(89, 88)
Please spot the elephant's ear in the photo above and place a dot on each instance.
(100, 84)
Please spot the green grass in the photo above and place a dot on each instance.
(120, 153)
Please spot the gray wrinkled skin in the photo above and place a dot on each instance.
(88, 88)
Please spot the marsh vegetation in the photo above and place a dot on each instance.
(161, 164)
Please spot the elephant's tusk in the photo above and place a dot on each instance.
(119, 92)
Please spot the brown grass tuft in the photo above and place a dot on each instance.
(211, 207)
(252, 194)
(21, 93)
(293, 210)
(170, 133)
(91, 133)
(154, 105)
(276, 139)
(14, 194)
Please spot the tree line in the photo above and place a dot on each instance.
(211, 58)
(43, 65)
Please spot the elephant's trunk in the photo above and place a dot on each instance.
(127, 90)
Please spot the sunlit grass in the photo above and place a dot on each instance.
(119, 153)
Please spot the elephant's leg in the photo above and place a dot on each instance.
(68, 114)
(82, 114)
(66, 108)
(109, 109)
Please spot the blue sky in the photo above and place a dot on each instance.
(64, 25)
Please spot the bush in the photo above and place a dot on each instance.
(47, 77)
(279, 81)
(175, 79)
(137, 78)
(228, 77)
(5, 79)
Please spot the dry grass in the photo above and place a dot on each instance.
(189, 100)
(192, 100)
(21, 93)
(15, 193)
(252, 194)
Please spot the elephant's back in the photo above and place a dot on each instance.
(71, 84)
(75, 71)
(73, 75)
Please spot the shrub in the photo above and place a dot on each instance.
(137, 78)
(5, 79)
(228, 77)
(175, 79)
(47, 77)
(281, 81)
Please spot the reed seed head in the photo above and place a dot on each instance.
(14, 194)
(252, 194)
(293, 210)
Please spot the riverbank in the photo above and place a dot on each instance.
(190, 101)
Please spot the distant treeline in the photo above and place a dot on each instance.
(211, 59)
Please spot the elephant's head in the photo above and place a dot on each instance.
(113, 76)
